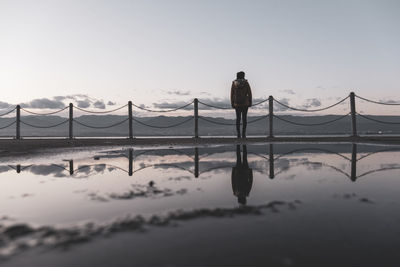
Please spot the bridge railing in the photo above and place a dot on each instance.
(196, 116)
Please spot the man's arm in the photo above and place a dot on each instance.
(232, 95)
(249, 93)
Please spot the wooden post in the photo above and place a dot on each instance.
(353, 114)
(196, 118)
(196, 162)
(130, 158)
(71, 121)
(271, 162)
(18, 123)
(71, 167)
(130, 119)
(353, 175)
(18, 168)
(271, 116)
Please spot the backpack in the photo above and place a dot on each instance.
(239, 92)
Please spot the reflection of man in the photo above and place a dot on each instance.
(242, 176)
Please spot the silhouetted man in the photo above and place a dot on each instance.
(241, 100)
(242, 176)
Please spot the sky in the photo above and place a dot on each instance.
(100, 54)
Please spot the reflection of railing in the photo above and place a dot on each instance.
(130, 119)
(197, 172)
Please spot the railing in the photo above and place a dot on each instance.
(130, 119)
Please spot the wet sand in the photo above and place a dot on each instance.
(24, 145)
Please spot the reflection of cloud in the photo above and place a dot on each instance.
(21, 236)
(5, 169)
(45, 170)
(100, 168)
(282, 164)
(313, 165)
(85, 169)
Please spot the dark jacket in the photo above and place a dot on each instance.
(241, 93)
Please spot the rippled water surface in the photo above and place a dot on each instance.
(281, 204)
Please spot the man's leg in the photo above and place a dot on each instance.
(244, 119)
(238, 121)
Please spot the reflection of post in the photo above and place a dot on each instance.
(196, 162)
(18, 168)
(271, 162)
(71, 167)
(353, 176)
(130, 162)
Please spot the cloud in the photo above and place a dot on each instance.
(178, 92)
(209, 104)
(288, 91)
(205, 93)
(217, 102)
(44, 103)
(389, 101)
(99, 104)
(279, 107)
(312, 102)
(83, 103)
(4, 105)
(172, 105)
(59, 102)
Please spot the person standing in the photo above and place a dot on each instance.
(241, 100)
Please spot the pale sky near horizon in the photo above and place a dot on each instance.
(171, 51)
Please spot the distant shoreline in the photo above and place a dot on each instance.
(10, 146)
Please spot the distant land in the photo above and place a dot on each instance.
(259, 127)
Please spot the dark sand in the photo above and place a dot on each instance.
(11, 145)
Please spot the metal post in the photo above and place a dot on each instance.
(71, 120)
(71, 167)
(271, 162)
(130, 119)
(353, 114)
(271, 116)
(196, 118)
(353, 175)
(130, 157)
(18, 122)
(196, 162)
(18, 168)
